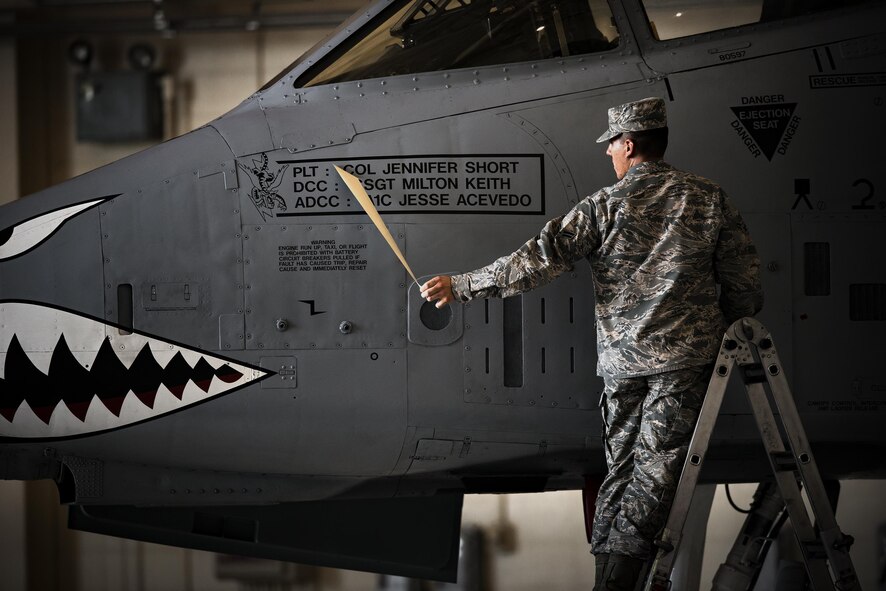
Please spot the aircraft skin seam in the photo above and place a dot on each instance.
(503, 106)
(762, 56)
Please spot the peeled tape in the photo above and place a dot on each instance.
(359, 192)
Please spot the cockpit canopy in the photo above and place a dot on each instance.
(414, 36)
(428, 35)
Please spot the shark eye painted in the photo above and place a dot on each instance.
(19, 239)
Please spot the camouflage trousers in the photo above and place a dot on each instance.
(647, 425)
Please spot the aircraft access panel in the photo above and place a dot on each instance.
(323, 286)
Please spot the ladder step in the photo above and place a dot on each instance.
(753, 373)
(664, 545)
(815, 550)
(783, 461)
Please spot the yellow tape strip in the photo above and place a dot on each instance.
(359, 192)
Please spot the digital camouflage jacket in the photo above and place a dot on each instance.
(660, 243)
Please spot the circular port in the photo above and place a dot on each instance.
(435, 318)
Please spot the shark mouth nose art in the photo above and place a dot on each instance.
(63, 374)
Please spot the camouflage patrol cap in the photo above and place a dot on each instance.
(647, 113)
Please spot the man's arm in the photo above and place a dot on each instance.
(560, 243)
(737, 267)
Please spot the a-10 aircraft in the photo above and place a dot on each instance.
(208, 344)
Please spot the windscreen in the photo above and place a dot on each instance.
(429, 35)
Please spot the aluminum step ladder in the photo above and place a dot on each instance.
(748, 345)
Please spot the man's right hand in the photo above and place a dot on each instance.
(438, 288)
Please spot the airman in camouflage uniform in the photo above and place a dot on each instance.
(660, 241)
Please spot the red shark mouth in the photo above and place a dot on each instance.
(95, 389)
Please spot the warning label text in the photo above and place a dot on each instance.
(321, 255)
(765, 124)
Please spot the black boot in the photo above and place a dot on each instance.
(621, 573)
(600, 562)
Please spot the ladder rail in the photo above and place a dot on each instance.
(790, 491)
(748, 345)
(834, 542)
(669, 541)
